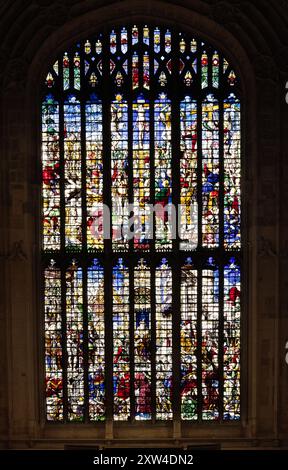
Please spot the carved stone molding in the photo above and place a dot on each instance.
(266, 248)
(16, 253)
(284, 252)
(47, 3)
(4, 54)
(265, 67)
(15, 73)
(43, 3)
(56, 14)
(281, 57)
(224, 13)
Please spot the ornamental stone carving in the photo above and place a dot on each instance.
(265, 67)
(281, 57)
(224, 13)
(266, 248)
(56, 14)
(15, 73)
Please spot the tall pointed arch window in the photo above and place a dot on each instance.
(135, 118)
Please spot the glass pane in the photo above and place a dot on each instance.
(72, 155)
(189, 394)
(119, 173)
(74, 333)
(210, 343)
(163, 280)
(188, 175)
(53, 343)
(232, 173)
(121, 341)
(163, 173)
(210, 172)
(96, 341)
(94, 176)
(141, 173)
(232, 328)
(50, 174)
(142, 341)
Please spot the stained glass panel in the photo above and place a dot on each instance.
(94, 175)
(49, 80)
(135, 35)
(210, 342)
(135, 117)
(163, 172)
(66, 72)
(74, 338)
(141, 172)
(168, 41)
(142, 341)
(157, 40)
(119, 172)
(77, 64)
(146, 72)
(210, 172)
(121, 341)
(204, 70)
(163, 280)
(72, 155)
(96, 341)
(232, 327)
(124, 41)
(50, 174)
(188, 175)
(135, 71)
(188, 341)
(53, 343)
(215, 70)
(232, 173)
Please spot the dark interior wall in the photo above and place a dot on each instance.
(254, 35)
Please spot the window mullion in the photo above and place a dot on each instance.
(62, 244)
(131, 338)
(107, 242)
(200, 209)
(152, 228)
(199, 150)
(221, 246)
(84, 244)
(221, 339)
(199, 341)
(176, 273)
(131, 241)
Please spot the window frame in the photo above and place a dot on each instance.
(200, 255)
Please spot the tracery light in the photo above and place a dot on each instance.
(142, 115)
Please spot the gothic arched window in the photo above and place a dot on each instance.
(141, 136)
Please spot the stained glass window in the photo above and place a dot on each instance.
(141, 246)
